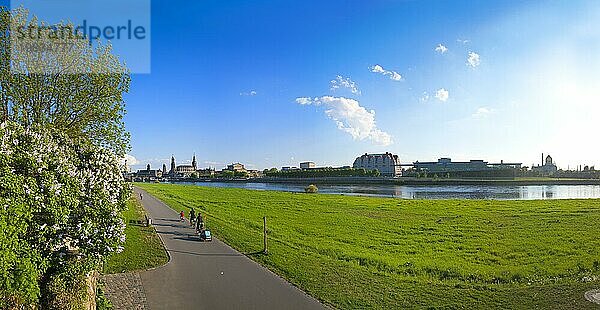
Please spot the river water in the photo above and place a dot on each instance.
(527, 192)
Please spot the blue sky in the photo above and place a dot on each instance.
(251, 82)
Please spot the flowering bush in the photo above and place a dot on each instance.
(59, 205)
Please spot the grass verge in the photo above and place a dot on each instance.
(362, 252)
(143, 248)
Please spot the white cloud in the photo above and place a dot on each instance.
(425, 97)
(442, 95)
(351, 118)
(463, 41)
(473, 59)
(131, 160)
(482, 112)
(391, 74)
(340, 81)
(441, 48)
(304, 100)
(250, 93)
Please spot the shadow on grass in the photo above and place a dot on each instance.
(259, 253)
(139, 223)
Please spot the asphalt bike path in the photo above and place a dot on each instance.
(210, 275)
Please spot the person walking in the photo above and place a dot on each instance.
(141, 196)
(182, 216)
(192, 217)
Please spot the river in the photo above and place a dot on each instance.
(500, 192)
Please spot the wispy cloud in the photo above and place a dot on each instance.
(130, 159)
(482, 112)
(350, 117)
(473, 60)
(425, 97)
(249, 93)
(341, 81)
(463, 41)
(441, 48)
(391, 74)
(213, 163)
(442, 95)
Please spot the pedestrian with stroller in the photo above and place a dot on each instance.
(199, 222)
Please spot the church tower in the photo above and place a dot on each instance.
(164, 169)
(172, 165)
(194, 163)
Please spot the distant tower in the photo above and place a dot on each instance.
(164, 169)
(172, 165)
(548, 160)
(542, 159)
(148, 167)
(194, 163)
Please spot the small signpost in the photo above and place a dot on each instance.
(265, 250)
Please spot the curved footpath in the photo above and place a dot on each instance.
(210, 275)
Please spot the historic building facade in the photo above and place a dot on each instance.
(547, 168)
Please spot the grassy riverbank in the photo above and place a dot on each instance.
(359, 252)
(142, 249)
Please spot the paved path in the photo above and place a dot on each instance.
(125, 291)
(210, 275)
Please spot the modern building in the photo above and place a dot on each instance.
(288, 168)
(547, 168)
(387, 164)
(307, 165)
(472, 168)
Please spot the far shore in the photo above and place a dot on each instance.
(404, 181)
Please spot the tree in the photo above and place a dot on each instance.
(227, 174)
(240, 174)
(311, 189)
(53, 78)
(61, 201)
(194, 175)
(61, 134)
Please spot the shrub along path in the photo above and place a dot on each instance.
(210, 275)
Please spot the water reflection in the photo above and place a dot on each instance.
(433, 191)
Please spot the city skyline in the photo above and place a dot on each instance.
(272, 85)
(159, 162)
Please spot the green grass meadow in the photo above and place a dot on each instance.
(364, 252)
(143, 248)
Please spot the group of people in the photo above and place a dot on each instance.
(195, 220)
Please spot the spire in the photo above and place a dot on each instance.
(194, 162)
(172, 164)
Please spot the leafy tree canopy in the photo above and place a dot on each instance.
(52, 78)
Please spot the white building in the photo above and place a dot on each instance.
(387, 164)
(307, 165)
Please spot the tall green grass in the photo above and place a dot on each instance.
(361, 252)
(142, 250)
